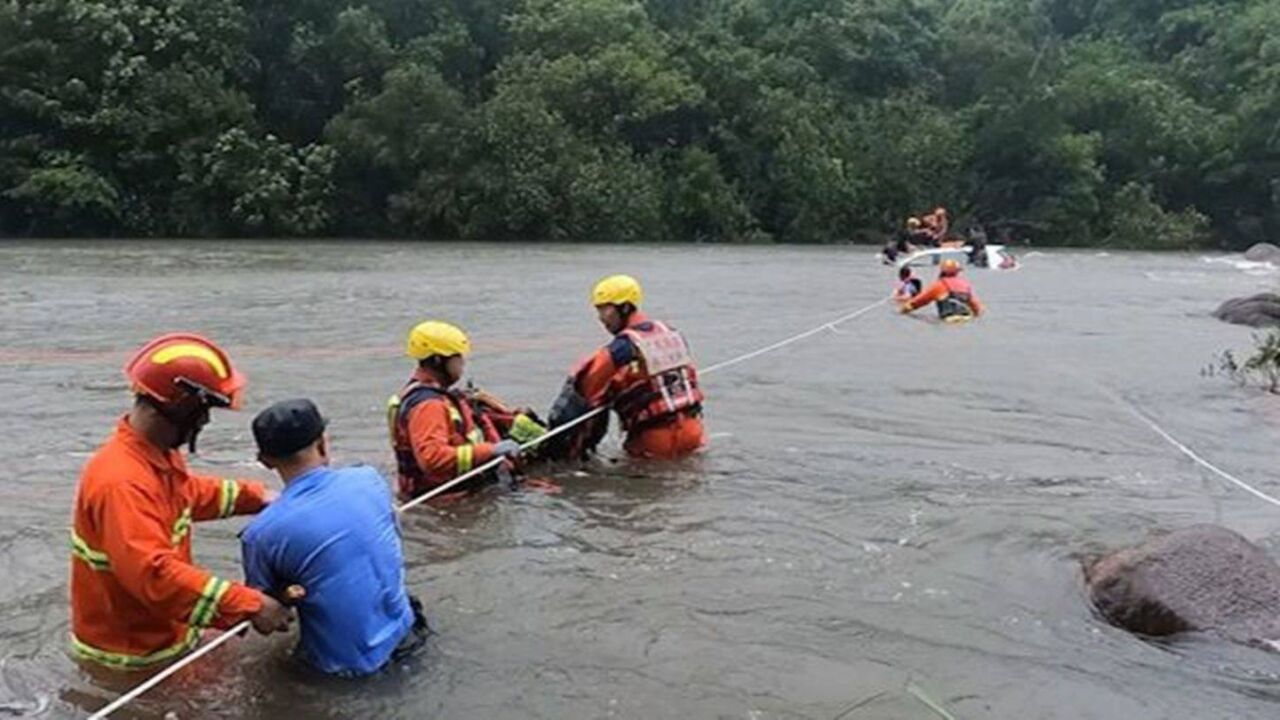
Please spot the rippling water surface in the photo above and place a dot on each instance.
(892, 511)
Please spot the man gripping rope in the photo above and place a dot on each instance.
(646, 373)
(136, 597)
(439, 432)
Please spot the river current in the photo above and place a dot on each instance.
(889, 515)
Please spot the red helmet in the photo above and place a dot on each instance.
(178, 365)
(948, 268)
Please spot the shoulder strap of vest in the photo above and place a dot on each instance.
(416, 394)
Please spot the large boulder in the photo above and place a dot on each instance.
(1263, 252)
(1203, 578)
(1261, 310)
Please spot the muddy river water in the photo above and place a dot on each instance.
(888, 515)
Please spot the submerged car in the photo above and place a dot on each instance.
(993, 257)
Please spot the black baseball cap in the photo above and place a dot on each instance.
(287, 427)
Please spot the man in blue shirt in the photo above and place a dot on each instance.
(333, 532)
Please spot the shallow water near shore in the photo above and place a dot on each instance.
(891, 505)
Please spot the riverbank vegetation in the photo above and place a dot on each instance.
(1133, 123)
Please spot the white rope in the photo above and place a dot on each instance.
(160, 677)
(796, 338)
(187, 660)
(498, 460)
(605, 408)
(1195, 457)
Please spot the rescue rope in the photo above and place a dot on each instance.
(245, 624)
(1182, 448)
(161, 676)
(831, 325)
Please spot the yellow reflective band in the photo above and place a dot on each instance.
(227, 495)
(122, 660)
(94, 558)
(181, 527)
(393, 414)
(178, 351)
(466, 457)
(206, 608)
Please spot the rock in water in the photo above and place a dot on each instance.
(1261, 310)
(1263, 252)
(1203, 578)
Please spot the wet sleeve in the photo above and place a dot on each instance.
(429, 431)
(148, 566)
(593, 376)
(930, 294)
(215, 498)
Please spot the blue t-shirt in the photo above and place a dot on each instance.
(334, 533)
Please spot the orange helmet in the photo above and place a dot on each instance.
(948, 268)
(179, 365)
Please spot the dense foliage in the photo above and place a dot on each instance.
(1150, 123)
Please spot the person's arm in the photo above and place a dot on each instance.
(594, 376)
(429, 429)
(974, 303)
(137, 543)
(931, 294)
(219, 498)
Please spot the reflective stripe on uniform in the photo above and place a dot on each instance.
(227, 495)
(123, 660)
(181, 527)
(96, 559)
(466, 458)
(206, 607)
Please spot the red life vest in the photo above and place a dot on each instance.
(659, 382)
(465, 429)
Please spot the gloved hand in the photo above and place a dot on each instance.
(507, 448)
(525, 428)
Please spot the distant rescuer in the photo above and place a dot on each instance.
(136, 597)
(646, 373)
(334, 533)
(952, 293)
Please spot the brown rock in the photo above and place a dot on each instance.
(1204, 578)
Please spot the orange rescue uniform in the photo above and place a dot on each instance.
(136, 597)
(659, 413)
(434, 434)
(943, 288)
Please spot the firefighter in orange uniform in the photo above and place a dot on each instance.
(953, 295)
(646, 373)
(434, 429)
(136, 597)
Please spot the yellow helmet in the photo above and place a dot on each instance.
(436, 338)
(616, 290)
(949, 267)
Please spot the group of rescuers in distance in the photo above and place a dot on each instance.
(328, 544)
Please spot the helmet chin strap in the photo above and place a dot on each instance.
(185, 417)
